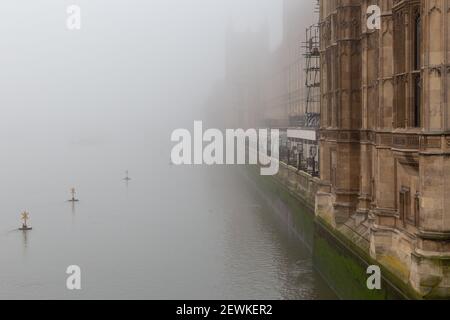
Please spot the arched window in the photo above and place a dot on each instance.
(417, 209)
(408, 65)
(417, 100)
(417, 41)
(416, 74)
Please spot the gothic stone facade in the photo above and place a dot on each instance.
(385, 134)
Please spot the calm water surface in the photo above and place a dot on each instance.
(171, 232)
(78, 109)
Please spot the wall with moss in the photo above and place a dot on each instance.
(338, 261)
(345, 271)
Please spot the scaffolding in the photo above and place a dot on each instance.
(312, 68)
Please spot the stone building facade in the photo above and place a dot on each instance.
(385, 134)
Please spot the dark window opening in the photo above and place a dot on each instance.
(417, 42)
(417, 209)
(405, 205)
(417, 101)
(417, 81)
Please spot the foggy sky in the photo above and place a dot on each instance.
(133, 62)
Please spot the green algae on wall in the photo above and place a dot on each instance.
(339, 263)
(344, 272)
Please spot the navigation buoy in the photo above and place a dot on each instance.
(25, 216)
(127, 178)
(73, 192)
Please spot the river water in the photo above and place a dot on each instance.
(170, 233)
(78, 109)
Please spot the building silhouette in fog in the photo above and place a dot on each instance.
(238, 100)
(286, 81)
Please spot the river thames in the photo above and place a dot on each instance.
(169, 233)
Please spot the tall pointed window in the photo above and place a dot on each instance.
(417, 41)
(417, 209)
(416, 74)
(400, 68)
(408, 65)
(405, 205)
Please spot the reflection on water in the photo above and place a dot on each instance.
(25, 239)
(81, 108)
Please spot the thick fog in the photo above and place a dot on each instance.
(160, 57)
(109, 95)
(79, 107)
(113, 91)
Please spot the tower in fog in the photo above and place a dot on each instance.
(246, 57)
